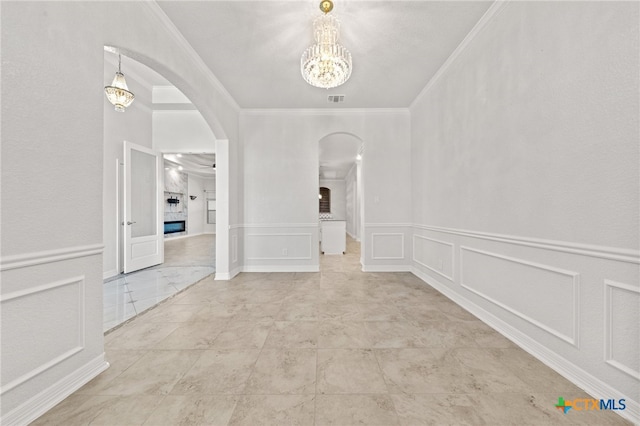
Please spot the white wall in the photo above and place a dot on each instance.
(181, 131)
(208, 192)
(52, 243)
(351, 205)
(338, 189)
(196, 211)
(280, 186)
(525, 186)
(134, 125)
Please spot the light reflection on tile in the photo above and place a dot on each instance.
(126, 296)
(129, 295)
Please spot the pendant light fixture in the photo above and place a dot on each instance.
(327, 63)
(118, 93)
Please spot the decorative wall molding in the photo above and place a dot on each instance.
(452, 257)
(48, 398)
(609, 287)
(583, 379)
(285, 234)
(80, 341)
(387, 234)
(602, 252)
(49, 256)
(575, 280)
(493, 11)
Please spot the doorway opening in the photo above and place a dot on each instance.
(340, 193)
(187, 253)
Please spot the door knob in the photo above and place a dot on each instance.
(130, 223)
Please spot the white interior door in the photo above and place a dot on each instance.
(143, 208)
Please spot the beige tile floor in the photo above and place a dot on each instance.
(199, 250)
(339, 347)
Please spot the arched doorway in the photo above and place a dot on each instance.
(340, 156)
(141, 124)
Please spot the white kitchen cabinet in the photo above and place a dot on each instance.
(334, 236)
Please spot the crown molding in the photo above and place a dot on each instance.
(494, 10)
(182, 42)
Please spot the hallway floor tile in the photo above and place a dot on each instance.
(256, 351)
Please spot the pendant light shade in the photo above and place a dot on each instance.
(118, 93)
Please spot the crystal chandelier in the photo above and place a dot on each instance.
(118, 93)
(327, 63)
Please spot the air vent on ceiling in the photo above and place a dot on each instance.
(334, 99)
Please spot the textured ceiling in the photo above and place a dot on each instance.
(254, 47)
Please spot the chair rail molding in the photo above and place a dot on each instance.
(602, 252)
(49, 256)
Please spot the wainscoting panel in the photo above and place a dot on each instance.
(280, 247)
(622, 326)
(36, 355)
(542, 295)
(574, 306)
(293, 246)
(387, 246)
(435, 255)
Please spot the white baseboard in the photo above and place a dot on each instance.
(281, 268)
(386, 268)
(581, 378)
(109, 274)
(235, 271)
(227, 275)
(45, 400)
(209, 233)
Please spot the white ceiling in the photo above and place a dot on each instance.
(197, 164)
(337, 154)
(254, 47)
